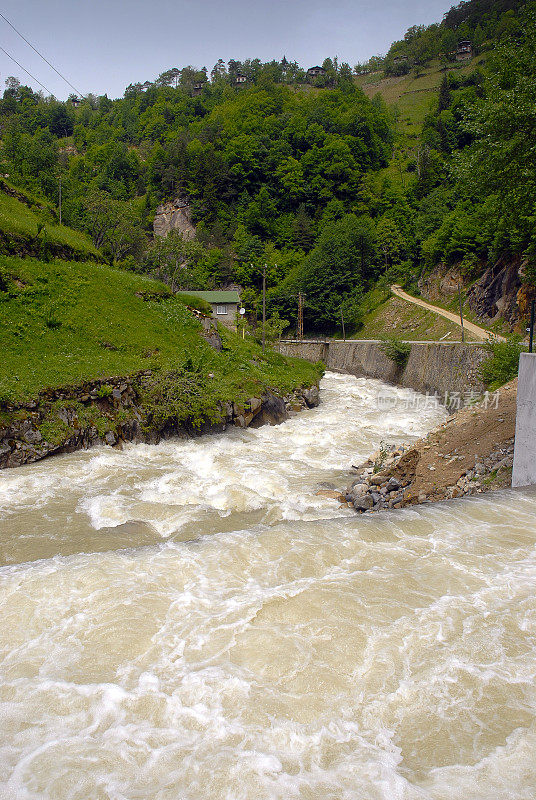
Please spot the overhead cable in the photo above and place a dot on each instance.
(26, 71)
(40, 56)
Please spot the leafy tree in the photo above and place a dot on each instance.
(177, 262)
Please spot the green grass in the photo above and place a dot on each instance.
(397, 317)
(19, 221)
(65, 322)
(413, 98)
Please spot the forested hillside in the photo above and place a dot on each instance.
(306, 175)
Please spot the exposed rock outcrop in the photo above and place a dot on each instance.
(494, 294)
(210, 332)
(174, 215)
(116, 410)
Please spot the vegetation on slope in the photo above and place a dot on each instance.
(66, 322)
(398, 318)
(310, 181)
(29, 225)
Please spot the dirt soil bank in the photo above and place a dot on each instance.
(471, 453)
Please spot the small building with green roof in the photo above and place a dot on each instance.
(224, 305)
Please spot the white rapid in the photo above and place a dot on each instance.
(191, 622)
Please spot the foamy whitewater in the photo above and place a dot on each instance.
(189, 621)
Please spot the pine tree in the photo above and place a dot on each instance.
(444, 94)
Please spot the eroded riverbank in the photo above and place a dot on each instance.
(471, 453)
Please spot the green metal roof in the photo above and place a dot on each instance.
(217, 297)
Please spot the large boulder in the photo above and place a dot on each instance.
(311, 396)
(273, 411)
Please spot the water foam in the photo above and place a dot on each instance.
(390, 657)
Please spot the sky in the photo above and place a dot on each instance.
(101, 46)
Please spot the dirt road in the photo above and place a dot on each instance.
(481, 333)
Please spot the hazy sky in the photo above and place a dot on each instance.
(103, 45)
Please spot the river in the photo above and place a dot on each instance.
(190, 621)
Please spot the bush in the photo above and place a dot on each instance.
(195, 302)
(502, 364)
(397, 350)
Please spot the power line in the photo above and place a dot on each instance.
(40, 56)
(26, 71)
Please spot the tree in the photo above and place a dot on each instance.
(352, 311)
(176, 261)
(391, 242)
(342, 262)
(126, 238)
(500, 164)
(13, 87)
(444, 94)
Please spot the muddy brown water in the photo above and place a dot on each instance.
(191, 621)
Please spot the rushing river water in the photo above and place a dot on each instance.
(191, 622)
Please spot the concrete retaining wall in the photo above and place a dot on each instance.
(524, 471)
(435, 367)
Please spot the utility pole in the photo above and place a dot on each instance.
(461, 309)
(263, 308)
(60, 197)
(342, 320)
(300, 315)
(531, 337)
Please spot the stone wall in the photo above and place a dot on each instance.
(431, 367)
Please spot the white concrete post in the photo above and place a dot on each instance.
(524, 471)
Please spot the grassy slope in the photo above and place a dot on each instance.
(395, 317)
(19, 221)
(413, 98)
(65, 322)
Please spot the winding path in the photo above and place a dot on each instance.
(482, 333)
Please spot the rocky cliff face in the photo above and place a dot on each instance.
(495, 293)
(499, 293)
(174, 215)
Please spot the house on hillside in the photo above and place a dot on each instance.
(197, 88)
(224, 305)
(240, 79)
(464, 51)
(314, 72)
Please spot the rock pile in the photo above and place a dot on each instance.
(395, 485)
(475, 480)
(374, 488)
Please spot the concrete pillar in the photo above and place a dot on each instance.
(524, 471)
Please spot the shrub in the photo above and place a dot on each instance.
(195, 302)
(397, 350)
(503, 361)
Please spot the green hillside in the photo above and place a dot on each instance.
(326, 184)
(65, 322)
(410, 98)
(30, 225)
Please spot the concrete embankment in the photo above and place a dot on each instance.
(435, 367)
